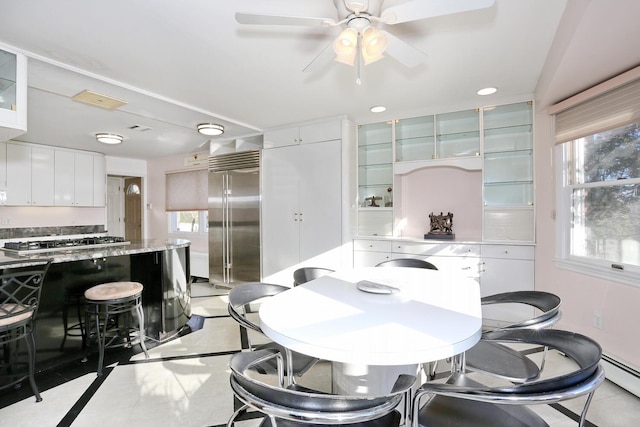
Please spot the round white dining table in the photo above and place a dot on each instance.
(427, 316)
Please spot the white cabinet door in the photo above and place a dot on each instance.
(280, 210)
(83, 179)
(505, 269)
(369, 258)
(281, 137)
(18, 175)
(99, 181)
(301, 209)
(318, 132)
(320, 204)
(64, 178)
(42, 175)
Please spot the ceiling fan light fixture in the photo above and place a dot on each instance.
(374, 44)
(210, 129)
(346, 46)
(109, 138)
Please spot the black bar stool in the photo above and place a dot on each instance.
(104, 303)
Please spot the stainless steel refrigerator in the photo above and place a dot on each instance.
(234, 218)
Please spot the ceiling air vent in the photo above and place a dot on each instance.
(140, 128)
(98, 100)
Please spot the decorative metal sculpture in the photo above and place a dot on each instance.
(441, 227)
(372, 201)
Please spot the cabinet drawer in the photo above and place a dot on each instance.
(372, 245)
(442, 249)
(508, 252)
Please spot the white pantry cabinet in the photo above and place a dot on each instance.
(301, 207)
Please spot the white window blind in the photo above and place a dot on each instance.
(609, 110)
(187, 191)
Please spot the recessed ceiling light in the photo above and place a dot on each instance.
(109, 138)
(210, 129)
(377, 108)
(487, 91)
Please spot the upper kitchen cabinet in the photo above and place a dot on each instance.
(508, 172)
(13, 94)
(310, 133)
(79, 179)
(375, 179)
(448, 139)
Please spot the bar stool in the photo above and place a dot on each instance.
(74, 298)
(105, 303)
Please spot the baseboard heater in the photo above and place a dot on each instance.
(622, 374)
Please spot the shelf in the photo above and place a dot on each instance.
(375, 165)
(386, 145)
(381, 208)
(509, 153)
(508, 130)
(505, 183)
(444, 137)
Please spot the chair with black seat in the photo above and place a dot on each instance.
(407, 262)
(307, 274)
(241, 297)
(297, 406)
(463, 401)
(503, 361)
(20, 289)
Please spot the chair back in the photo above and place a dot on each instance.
(20, 290)
(246, 293)
(547, 303)
(306, 405)
(407, 262)
(307, 274)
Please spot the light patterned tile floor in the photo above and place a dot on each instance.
(185, 383)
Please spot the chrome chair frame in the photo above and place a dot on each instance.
(20, 290)
(502, 361)
(307, 274)
(298, 406)
(407, 262)
(243, 295)
(454, 396)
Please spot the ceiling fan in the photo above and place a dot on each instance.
(362, 41)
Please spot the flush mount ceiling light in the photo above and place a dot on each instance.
(109, 138)
(487, 91)
(210, 129)
(377, 109)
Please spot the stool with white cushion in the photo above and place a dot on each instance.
(104, 304)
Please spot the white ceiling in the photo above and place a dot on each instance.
(181, 62)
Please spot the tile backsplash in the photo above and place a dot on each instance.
(28, 232)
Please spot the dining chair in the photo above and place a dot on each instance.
(306, 274)
(20, 290)
(407, 262)
(503, 361)
(297, 406)
(463, 401)
(241, 297)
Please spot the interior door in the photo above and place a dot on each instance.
(133, 209)
(115, 206)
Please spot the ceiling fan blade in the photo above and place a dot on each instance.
(421, 9)
(403, 52)
(261, 19)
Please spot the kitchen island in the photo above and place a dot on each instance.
(162, 266)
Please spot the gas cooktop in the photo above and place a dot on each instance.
(41, 246)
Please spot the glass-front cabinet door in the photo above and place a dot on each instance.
(508, 172)
(415, 139)
(458, 134)
(375, 179)
(13, 95)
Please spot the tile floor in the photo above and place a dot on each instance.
(185, 384)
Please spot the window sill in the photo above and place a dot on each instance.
(625, 277)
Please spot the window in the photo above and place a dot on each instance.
(188, 222)
(186, 202)
(598, 175)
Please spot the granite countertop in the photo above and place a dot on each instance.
(77, 254)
